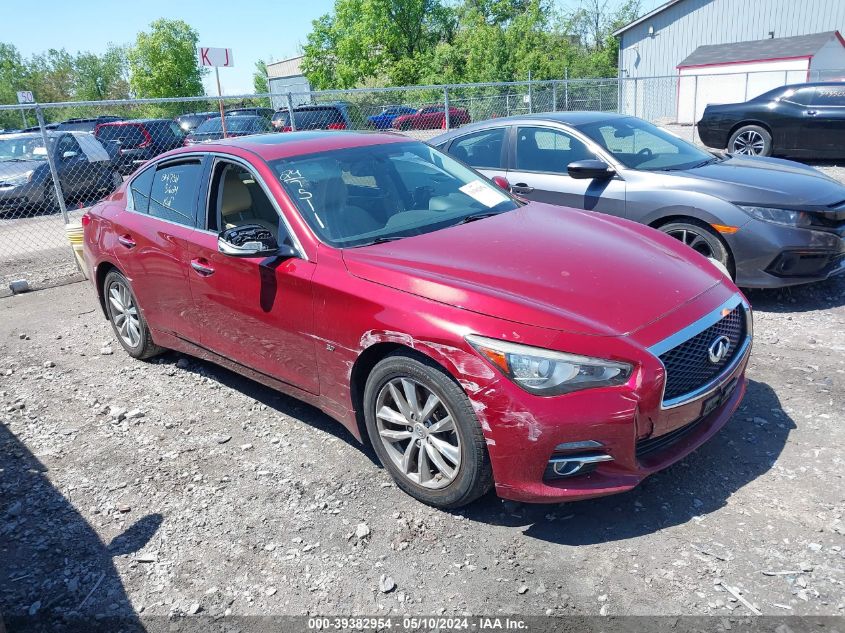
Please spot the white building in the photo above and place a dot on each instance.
(285, 76)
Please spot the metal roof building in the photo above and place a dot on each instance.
(285, 76)
(657, 43)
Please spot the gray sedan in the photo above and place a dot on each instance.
(769, 222)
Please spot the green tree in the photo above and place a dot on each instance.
(259, 77)
(98, 77)
(366, 38)
(163, 62)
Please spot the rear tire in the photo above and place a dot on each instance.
(127, 319)
(434, 450)
(702, 239)
(750, 140)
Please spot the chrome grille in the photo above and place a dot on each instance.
(688, 366)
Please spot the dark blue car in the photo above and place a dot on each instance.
(384, 120)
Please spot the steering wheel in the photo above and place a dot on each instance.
(645, 151)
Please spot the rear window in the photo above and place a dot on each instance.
(282, 116)
(313, 117)
(126, 135)
(165, 129)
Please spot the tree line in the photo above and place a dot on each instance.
(361, 43)
(379, 43)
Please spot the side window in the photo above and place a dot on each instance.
(174, 192)
(139, 191)
(801, 96)
(544, 149)
(68, 144)
(829, 96)
(236, 198)
(481, 149)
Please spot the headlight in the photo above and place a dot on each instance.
(778, 216)
(546, 372)
(20, 179)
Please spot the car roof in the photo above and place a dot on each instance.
(574, 119)
(284, 145)
(814, 84)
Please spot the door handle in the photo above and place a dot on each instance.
(812, 112)
(127, 241)
(521, 187)
(202, 266)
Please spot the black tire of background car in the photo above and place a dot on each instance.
(764, 134)
(145, 348)
(718, 249)
(475, 475)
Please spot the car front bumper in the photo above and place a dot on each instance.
(769, 255)
(614, 420)
(626, 432)
(21, 195)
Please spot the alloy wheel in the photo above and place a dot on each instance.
(124, 314)
(418, 432)
(749, 143)
(694, 240)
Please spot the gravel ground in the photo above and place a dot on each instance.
(174, 487)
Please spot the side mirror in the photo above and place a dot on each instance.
(502, 183)
(248, 240)
(590, 169)
(68, 154)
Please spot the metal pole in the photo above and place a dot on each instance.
(636, 84)
(746, 87)
(54, 173)
(446, 108)
(530, 95)
(566, 89)
(23, 116)
(290, 112)
(554, 96)
(694, 106)
(220, 101)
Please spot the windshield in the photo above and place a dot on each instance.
(643, 146)
(17, 148)
(363, 195)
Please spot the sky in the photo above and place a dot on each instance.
(257, 29)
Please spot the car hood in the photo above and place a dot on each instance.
(545, 266)
(11, 168)
(762, 181)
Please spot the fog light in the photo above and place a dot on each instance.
(561, 466)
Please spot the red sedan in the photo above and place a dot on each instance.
(431, 118)
(474, 339)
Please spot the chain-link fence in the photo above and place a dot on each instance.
(59, 158)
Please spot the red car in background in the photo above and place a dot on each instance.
(472, 338)
(431, 118)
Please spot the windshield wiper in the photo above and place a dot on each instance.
(383, 239)
(709, 161)
(477, 216)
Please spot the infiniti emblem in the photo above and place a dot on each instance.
(718, 349)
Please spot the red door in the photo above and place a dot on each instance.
(152, 243)
(255, 311)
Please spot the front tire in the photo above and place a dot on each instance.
(424, 430)
(702, 239)
(126, 317)
(750, 140)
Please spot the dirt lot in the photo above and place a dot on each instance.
(175, 486)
